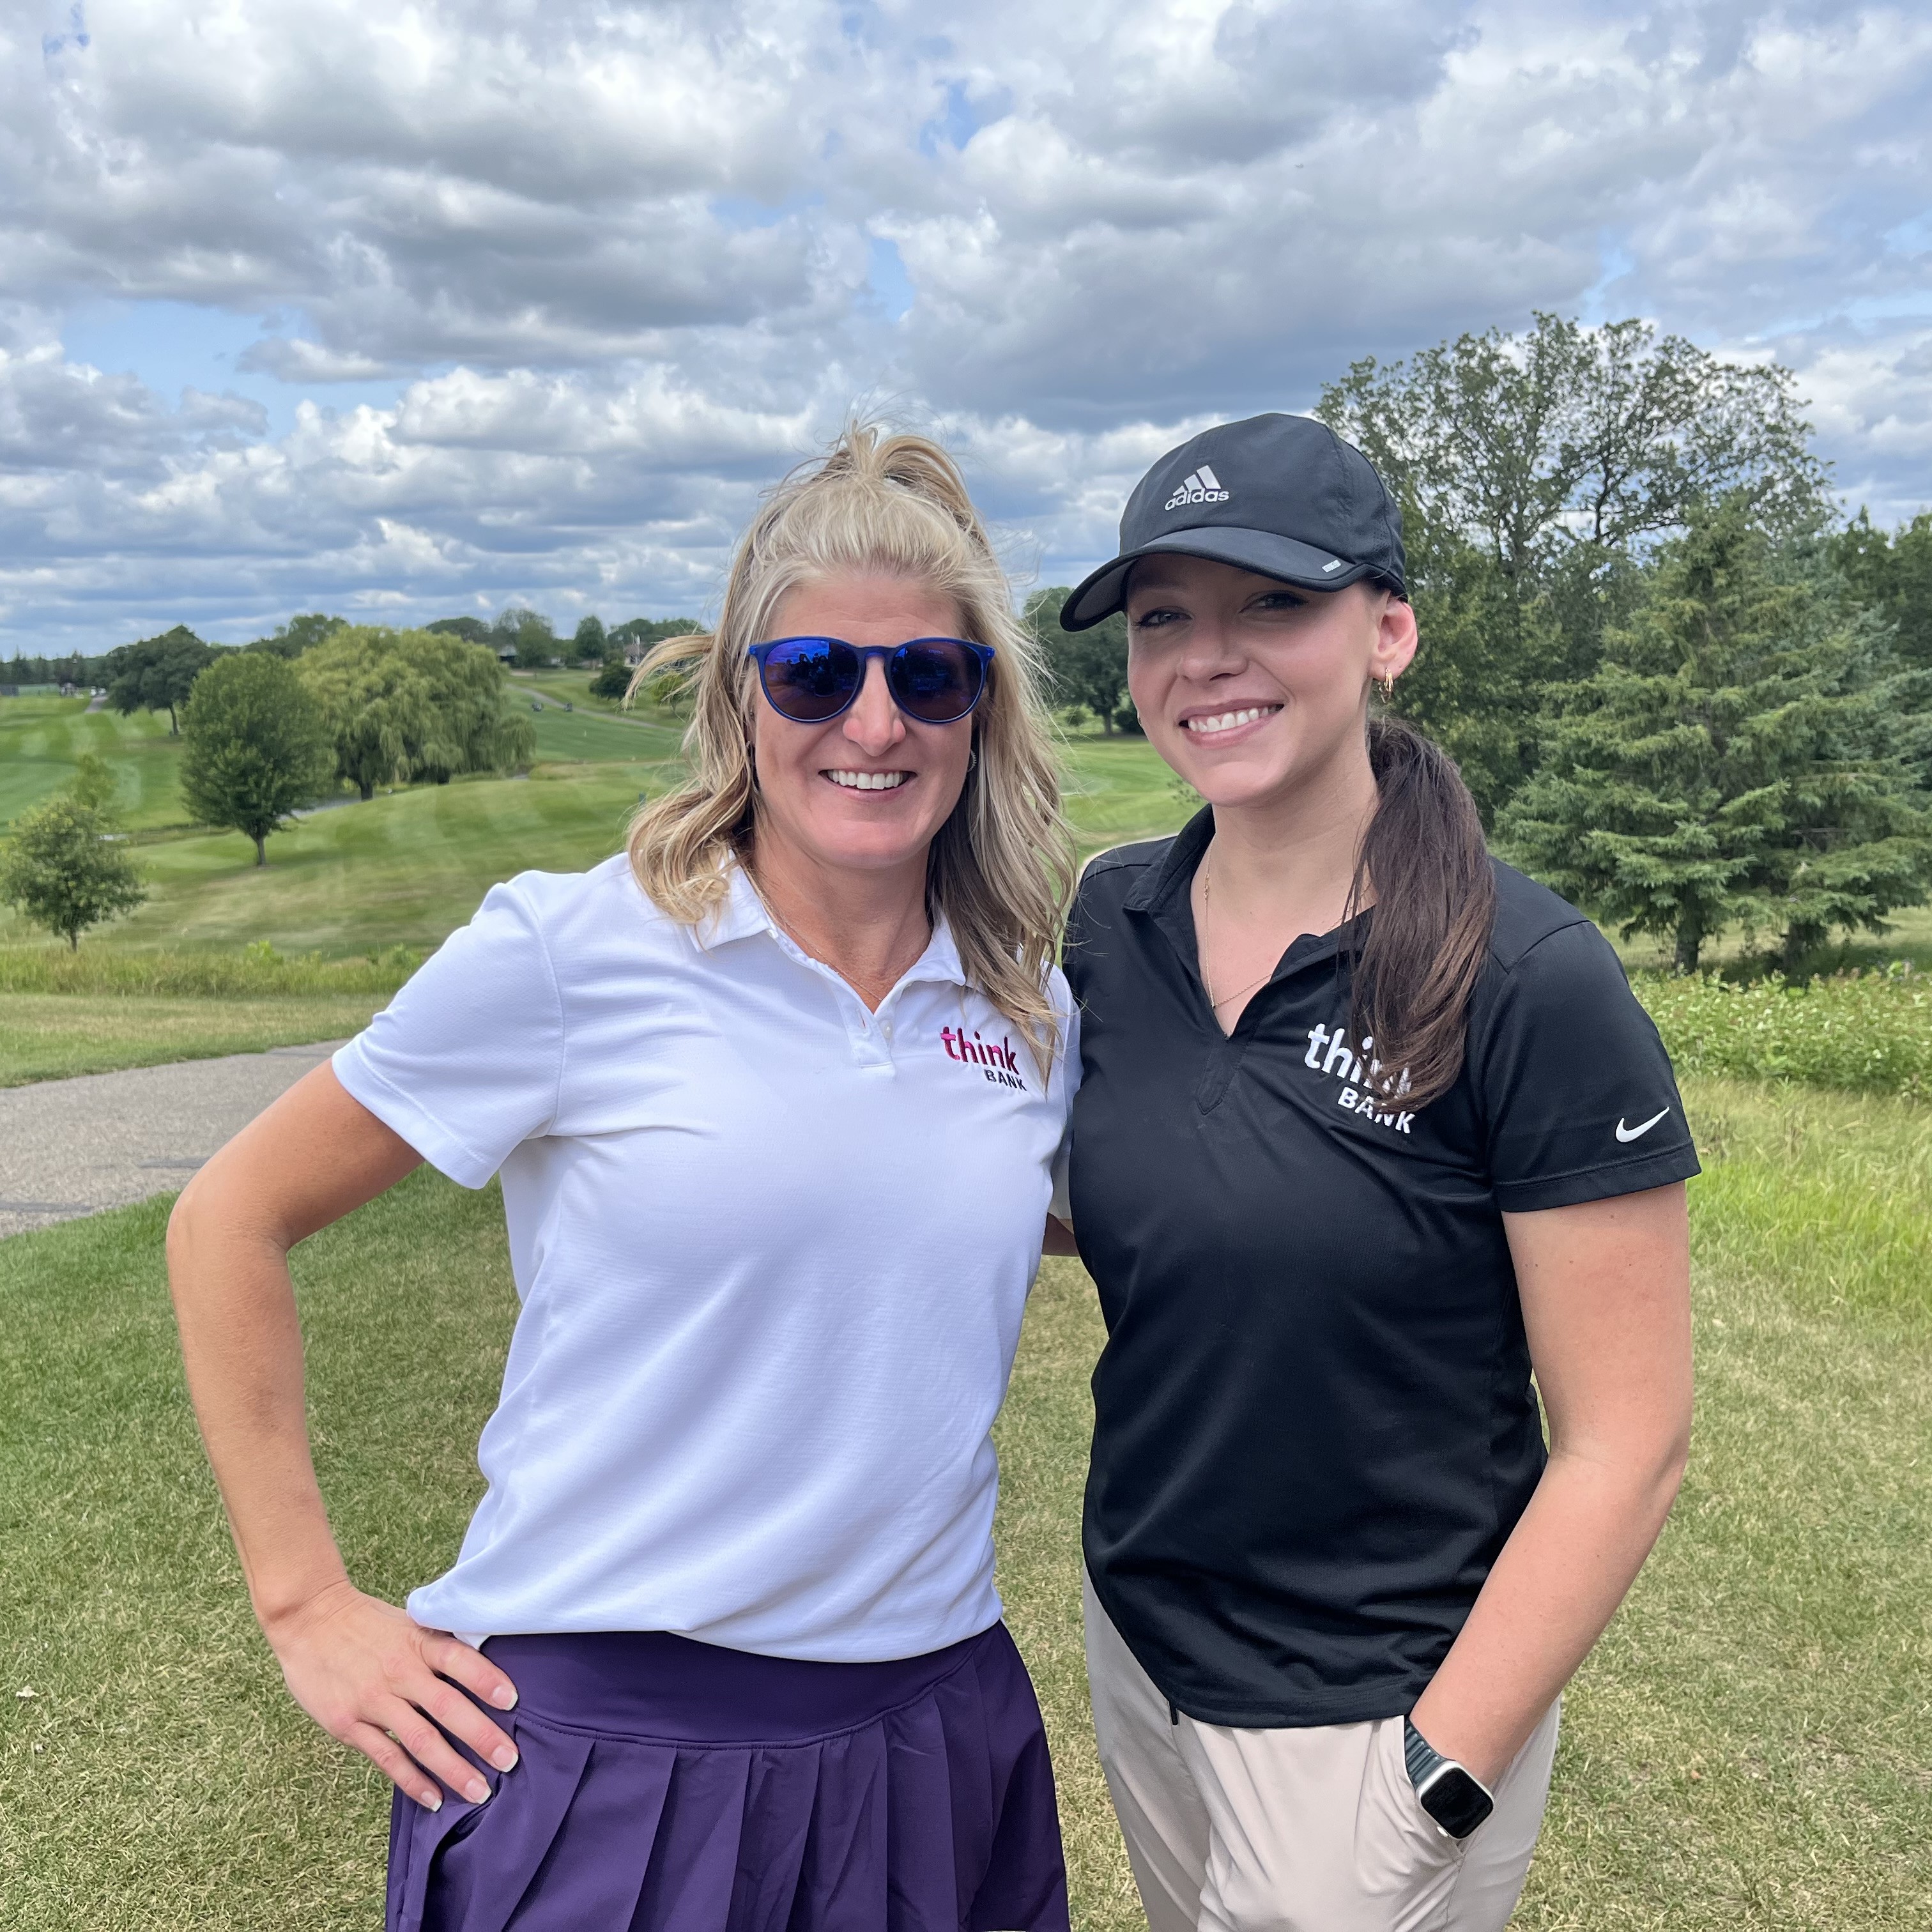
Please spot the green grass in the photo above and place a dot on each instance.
(53, 1036)
(43, 738)
(1746, 1748)
(403, 869)
(1743, 1754)
(255, 972)
(587, 735)
(1117, 790)
(409, 865)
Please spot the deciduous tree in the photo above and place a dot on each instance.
(471, 630)
(60, 866)
(304, 630)
(157, 673)
(528, 632)
(256, 746)
(1535, 472)
(589, 644)
(404, 705)
(1088, 668)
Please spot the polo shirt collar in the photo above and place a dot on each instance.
(1164, 895)
(744, 915)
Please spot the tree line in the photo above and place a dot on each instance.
(276, 724)
(155, 672)
(1684, 692)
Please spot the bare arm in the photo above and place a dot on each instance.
(360, 1668)
(1606, 1289)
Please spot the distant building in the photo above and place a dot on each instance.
(635, 648)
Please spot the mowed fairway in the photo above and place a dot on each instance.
(42, 739)
(1744, 1753)
(409, 865)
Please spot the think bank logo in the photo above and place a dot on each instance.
(1202, 487)
(1365, 1091)
(999, 1064)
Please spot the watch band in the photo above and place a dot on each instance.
(1453, 1795)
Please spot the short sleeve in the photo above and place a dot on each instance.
(1069, 1084)
(466, 1061)
(1574, 1084)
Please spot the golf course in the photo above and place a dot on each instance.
(1745, 1749)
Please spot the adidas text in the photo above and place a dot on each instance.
(1202, 487)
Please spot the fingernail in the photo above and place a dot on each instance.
(433, 1802)
(504, 1697)
(504, 1760)
(476, 1791)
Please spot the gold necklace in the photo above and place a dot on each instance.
(1206, 899)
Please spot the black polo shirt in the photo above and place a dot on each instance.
(1315, 1426)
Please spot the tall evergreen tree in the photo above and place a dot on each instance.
(1890, 572)
(1735, 759)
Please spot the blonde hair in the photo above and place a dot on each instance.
(1000, 868)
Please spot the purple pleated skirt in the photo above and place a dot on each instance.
(667, 1786)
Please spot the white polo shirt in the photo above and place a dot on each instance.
(772, 1252)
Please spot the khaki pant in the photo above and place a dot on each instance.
(1314, 1830)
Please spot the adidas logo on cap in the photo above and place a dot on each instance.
(1202, 486)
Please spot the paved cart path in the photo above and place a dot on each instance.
(74, 1147)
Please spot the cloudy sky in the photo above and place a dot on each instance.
(440, 305)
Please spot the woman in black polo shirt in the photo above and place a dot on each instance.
(1371, 1130)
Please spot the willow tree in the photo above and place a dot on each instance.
(410, 706)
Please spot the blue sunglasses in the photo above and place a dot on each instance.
(810, 680)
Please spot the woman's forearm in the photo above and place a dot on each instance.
(312, 1157)
(364, 1669)
(1573, 1555)
(241, 1345)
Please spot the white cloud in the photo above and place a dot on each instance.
(583, 276)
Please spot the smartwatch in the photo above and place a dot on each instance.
(1458, 1802)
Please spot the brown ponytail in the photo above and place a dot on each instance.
(1434, 897)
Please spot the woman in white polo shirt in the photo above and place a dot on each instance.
(774, 1097)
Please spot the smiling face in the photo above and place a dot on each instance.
(1250, 689)
(868, 791)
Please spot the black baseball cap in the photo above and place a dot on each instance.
(1281, 495)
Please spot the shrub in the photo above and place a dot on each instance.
(1868, 1032)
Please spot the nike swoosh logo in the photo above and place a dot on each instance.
(1624, 1133)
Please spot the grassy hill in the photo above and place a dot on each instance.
(42, 739)
(410, 864)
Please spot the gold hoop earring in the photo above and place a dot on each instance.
(1386, 685)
